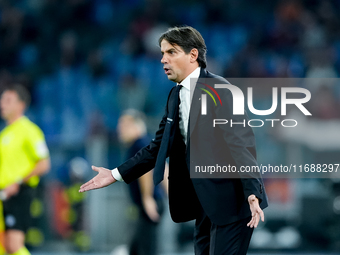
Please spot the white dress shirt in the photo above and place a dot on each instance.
(184, 110)
(184, 106)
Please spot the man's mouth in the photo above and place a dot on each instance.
(167, 71)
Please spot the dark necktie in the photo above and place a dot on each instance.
(170, 126)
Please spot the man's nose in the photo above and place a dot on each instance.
(164, 60)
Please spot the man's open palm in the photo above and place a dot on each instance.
(256, 212)
(102, 179)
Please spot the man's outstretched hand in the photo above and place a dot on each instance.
(256, 211)
(102, 179)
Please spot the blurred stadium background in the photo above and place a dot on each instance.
(86, 61)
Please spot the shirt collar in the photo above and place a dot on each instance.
(194, 75)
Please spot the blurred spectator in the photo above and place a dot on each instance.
(146, 197)
(328, 106)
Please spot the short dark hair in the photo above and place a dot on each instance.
(22, 92)
(187, 38)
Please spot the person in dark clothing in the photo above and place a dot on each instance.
(147, 197)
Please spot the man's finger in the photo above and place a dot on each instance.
(94, 168)
(86, 184)
(261, 215)
(257, 219)
(154, 216)
(253, 221)
(82, 189)
(250, 223)
(90, 187)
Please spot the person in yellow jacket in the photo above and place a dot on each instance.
(24, 157)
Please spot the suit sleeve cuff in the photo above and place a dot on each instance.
(117, 175)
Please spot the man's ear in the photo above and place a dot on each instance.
(193, 55)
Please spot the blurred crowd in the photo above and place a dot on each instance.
(85, 61)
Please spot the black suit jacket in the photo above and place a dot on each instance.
(223, 199)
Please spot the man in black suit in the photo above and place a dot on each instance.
(226, 209)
